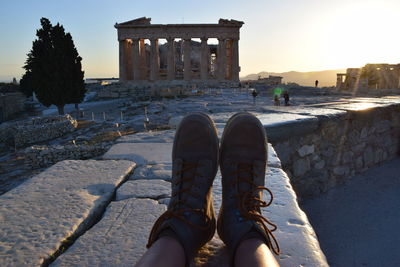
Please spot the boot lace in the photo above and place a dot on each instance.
(250, 205)
(180, 207)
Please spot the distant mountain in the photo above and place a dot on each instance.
(325, 78)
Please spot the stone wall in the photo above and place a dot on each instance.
(36, 130)
(10, 103)
(328, 151)
(44, 156)
(144, 90)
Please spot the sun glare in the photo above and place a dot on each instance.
(363, 33)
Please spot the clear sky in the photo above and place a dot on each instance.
(278, 35)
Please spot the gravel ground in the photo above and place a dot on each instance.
(358, 223)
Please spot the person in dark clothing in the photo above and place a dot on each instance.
(254, 94)
(316, 83)
(286, 97)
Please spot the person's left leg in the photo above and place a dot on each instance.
(189, 221)
(166, 251)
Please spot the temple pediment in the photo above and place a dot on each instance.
(230, 22)
(135, 22)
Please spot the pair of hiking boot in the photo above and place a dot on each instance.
(190, 217)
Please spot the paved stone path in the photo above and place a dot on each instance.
(62, 203)
(358, 223)
(54, 206)
(121, 235)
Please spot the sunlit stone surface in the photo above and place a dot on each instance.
(63, 201)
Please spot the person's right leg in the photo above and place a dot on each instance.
(243, 158)
(253, 252)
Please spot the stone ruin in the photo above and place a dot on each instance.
(10, 104)
(36, 130)
(39, 156)
(371, 76)
(181, 58)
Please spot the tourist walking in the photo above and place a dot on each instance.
(254, 93)
(286, 97)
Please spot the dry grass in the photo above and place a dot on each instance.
(84, 124)
(108, 136)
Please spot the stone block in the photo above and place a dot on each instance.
(357, 149)
(320, 165)
(149, 137)
(59, 203)
(341, 170)
(141, 153)
(378, 156)
(359, 163)
(368, 157)
(301, 166)
(158, 171)
(175, 121)
(353, 137)
(382, 126)
(284, 151)
(295, 234)
(154, 189)
(288, 127)
(306, 150)
(347, 157)
(364, 133)
(327, 150)
(119, 239)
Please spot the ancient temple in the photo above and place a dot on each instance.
(371, 76)
(181, 58)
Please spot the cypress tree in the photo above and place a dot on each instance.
(53, 68)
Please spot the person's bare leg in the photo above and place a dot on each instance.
(254, 252)
(166, 251)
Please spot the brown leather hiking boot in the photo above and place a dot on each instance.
(190, 217)
(243, 160)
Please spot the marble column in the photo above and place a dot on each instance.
(154, 60)
(235, 60)
(143, 62)
(187, 66)
(221, 57)
(128, 60)
(171, 59)
(205, 59)
(122, 61)
(135, 59)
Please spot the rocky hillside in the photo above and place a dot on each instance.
(325, 78)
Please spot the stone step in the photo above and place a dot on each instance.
(141, 153)
(119, 239)
(55, 206)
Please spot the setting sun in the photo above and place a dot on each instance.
(362, 33)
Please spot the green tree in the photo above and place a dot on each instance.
(53, 68)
